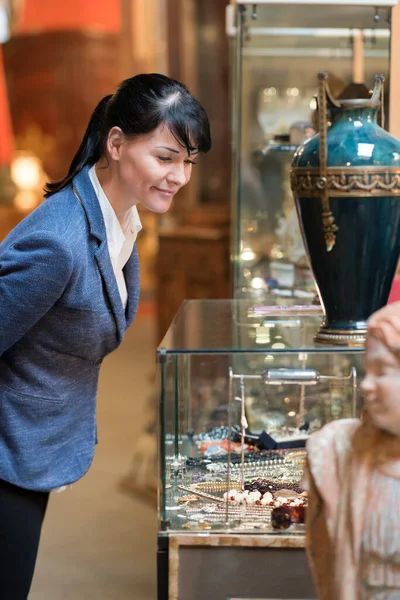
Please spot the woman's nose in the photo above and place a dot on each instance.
(178, 176)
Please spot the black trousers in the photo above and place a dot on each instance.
(21, 517)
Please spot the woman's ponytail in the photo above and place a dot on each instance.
(90, 149)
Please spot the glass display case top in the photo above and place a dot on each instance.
(242, 387)
(241, 326)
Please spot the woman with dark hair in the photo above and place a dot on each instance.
(69, 289)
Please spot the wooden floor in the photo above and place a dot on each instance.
(99, 542)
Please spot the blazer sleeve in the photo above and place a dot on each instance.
(34, 272)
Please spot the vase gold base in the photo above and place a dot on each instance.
(345, 337)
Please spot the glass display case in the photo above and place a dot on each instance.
(278, 48)
(242, 388)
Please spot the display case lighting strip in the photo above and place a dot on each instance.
(311, 52)
(294, 377)
(374, 3)
(300, 377)
(317, 32)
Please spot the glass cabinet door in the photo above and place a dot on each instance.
(279, 48)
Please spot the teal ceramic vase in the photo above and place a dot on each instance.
(346, 184)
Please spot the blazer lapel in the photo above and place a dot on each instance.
(102, 257)
(84, 190)
(132, 278)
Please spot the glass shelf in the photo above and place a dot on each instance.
(240, 326)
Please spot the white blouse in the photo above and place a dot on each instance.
(121, 233)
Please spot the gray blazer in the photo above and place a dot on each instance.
(60, 315)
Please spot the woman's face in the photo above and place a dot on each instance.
(381, 386)
(152, 169)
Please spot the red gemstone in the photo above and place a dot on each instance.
(281, 517)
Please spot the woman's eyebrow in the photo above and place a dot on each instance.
(168, 148)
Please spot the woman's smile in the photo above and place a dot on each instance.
(167, 193)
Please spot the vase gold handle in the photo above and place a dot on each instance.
(329, 226)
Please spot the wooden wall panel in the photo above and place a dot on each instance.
(198, 52)
(55, 80)
(214, 93)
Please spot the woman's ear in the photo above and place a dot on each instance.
(114, 142)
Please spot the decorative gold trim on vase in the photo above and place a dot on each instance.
(344, 331)
(342, 182)
(355, 337)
